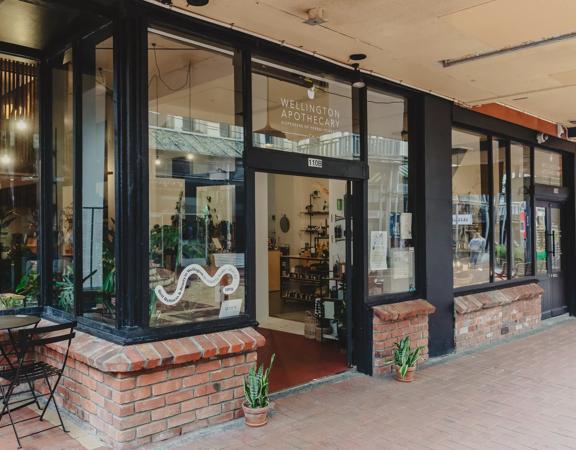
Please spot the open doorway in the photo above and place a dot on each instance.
(301, 276)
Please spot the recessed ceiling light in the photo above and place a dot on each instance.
(520, 98)
(197, 2)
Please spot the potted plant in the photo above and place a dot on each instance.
(405, 359)
(257, 402)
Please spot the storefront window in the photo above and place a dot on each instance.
(470, 208)
(196, 181)
(302, 113)
(500, 209)
(547, 167)
(520, 210)
(19, 279)
(98, 206)
(62, 189)
(391, 259)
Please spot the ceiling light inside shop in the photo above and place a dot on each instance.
(21, 125)
(5, 160)
(189, 156)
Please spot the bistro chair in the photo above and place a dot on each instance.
(25, 369)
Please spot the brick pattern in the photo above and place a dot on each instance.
(156, 396)
(487, 317)
(391, 323)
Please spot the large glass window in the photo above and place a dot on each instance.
(521, 235)
(98, 206)
(19, 282)
(500, 209)
(196, 178)
(470, 208)
(298, 112)
(547, 167)
(391, 259)
(62, 189)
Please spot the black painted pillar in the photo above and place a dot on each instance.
(436, 204)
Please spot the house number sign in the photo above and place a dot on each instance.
(315, 162)
(211, 281)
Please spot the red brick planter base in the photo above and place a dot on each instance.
(487, 317)
(391, 323)
(137, 394)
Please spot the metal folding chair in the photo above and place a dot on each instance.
(26, 369)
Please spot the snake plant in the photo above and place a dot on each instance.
(404, 356)
(256, 386)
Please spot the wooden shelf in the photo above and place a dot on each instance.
(308, 258)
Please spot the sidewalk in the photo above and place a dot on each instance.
(518, 395)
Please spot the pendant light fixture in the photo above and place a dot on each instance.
(268, 130)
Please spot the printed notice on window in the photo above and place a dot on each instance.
(230, 308)
(378, 250)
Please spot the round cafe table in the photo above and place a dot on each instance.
(17, 321)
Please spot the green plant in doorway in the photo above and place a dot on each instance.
(256, 394)
(405, 359)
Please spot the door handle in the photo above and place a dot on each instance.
(553, 243)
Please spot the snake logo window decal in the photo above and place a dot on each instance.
(211, 281)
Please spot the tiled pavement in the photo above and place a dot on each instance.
(518, 395)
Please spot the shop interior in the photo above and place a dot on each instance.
(300, 282)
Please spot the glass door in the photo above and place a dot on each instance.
(550, 257)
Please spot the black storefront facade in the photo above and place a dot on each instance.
(132, 161)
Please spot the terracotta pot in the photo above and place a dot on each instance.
(255, 417)
(409, 374)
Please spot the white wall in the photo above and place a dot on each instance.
(261, 210)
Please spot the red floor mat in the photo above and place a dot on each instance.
(299, 360)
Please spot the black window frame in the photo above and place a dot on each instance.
(491, 138)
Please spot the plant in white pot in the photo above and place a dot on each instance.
(256, 394)
(405, 359)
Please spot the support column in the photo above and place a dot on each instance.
(436, 189)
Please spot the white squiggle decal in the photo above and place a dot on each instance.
(176, 296)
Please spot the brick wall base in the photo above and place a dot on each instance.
(488, 317)
(391, 323)
(138, 394)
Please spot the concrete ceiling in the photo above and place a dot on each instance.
(406, 39)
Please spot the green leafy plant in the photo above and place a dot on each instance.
(404, 356)
(256, 386)
(29, 285)
(65, 289)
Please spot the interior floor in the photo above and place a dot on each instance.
(300, 283)
(299, 360)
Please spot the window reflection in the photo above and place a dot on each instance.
(298, 112)
(19, 282)
(547, 167)
(196, 175)
(62, 190)
(98, 206)
(520, 210)
(500, 210)
(391, 260)
(470, 208)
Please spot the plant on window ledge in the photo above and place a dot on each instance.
(109, 270)
(65, 288)
(29, 285)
